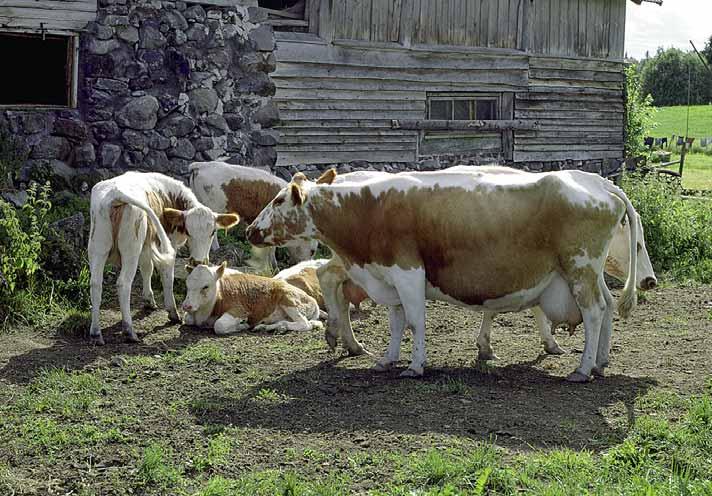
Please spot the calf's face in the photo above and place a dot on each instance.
(617, 262)
(285, 219)
(300, 251)
(201, 287)
(197, 226)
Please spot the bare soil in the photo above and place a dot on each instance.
(337, 405)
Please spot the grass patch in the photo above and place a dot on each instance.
(673, 120)
(201, 353)
(156, 470)
(57, 391)
(216, 454)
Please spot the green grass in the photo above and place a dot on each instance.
(672, 120)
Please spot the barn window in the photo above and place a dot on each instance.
(286, 15)
(42, 68)
(463, 106)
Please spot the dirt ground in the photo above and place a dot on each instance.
(283, 392)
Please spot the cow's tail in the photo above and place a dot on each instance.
(166, 254)
(629, 298)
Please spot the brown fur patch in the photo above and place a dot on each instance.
(251, 297)
(247, 198)
(116, 214)
(461, 238)
(353, 293)
(307, 281)
(159, 202)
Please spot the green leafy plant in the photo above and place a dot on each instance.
(639, 114)
(13, 154)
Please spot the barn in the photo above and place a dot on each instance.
(307, 84)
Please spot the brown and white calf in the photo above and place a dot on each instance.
(485, 241)
(230, 301)
(244, 191)
(140, 220)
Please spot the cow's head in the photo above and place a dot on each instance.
(617, 262)
(202, 287)
(197, 226)
(286, 218)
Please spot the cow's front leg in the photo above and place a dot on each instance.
(227, 324)
(604, 343)
(410, 285)
(544, 327)
(396, 321)
(593, 306)
(483, 338)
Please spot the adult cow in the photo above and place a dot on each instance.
(482, 240)
(139, 220)
(245, 191)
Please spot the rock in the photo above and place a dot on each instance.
(143, 15)
(84, 155)
(267, 116)
(16, 198)
(156, 160)
(71, 228)
(139, 113)
(173, 19)
(104, 130)
(256, 14)
(183, 149)
(151, 38)
(203, 100)
(262, 38)
(270, 63)
(99, 31)
(113, 20)
(51, 147)
(158, 142)
(197, 33)
(265, 137)
(73, 129)
(102, 47)
(118, 361)
(178, 63)
(113, 86)
(176, 125)
(127, 33)
(218, 124)
(213, 154)
(195, 13)
(179, 166)
(133, 159)
(135, 140)
(264, 156)
(153, 59)
(179, 37)
(109, 154)
(141, 83)
(203, 144)
(28, 122)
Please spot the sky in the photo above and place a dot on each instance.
(673, 24)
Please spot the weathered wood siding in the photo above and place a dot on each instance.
(578, 106)
(71, 15)
(336, 102)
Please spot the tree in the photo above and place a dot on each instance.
(707, 52)
(665, 77)
(639, 112)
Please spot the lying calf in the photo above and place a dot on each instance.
(303, 276)
(231, 301)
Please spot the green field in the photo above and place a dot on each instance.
(672, 120)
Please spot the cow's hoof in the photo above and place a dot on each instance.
(411, 372)
(316, 325)
(97, 340)
(578, 377)
(484, 356)
(358, 351)
(174, 318)
(330, 340)
(599, 371)
(554, 350)
(150, 305)
(132, 338)
(382, 367)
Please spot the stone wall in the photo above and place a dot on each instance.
(161, 83)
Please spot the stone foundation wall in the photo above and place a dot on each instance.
(161, 84)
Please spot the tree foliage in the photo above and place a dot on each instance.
(639, 114)
(665, 77)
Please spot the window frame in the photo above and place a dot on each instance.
(71, 76)
(305, 23)
(460, 96)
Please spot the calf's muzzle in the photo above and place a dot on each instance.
(648, 283)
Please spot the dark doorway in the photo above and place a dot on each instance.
(40, 68)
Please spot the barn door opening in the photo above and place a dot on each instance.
(286, 15)
(42, 68)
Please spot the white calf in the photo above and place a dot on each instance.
(245, 191)
(130, 214)
(232, 301)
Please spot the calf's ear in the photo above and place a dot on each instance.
(226, 221)
(297, 194)
(175, 219)
(299, 178)
(327, 177)
(221, 270)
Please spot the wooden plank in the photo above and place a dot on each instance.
(72, 5)
(394, 20)
(312, 10)
(569, 133)
(507, 110)
(439, 125)
(283, 14)
(575, 64)
(569, 97)
(460, 145)
(584, 139)
(553, 147)
(287, 22)
(407, 22)
(380, 20)
(315, 124)
(544, 105)
(330, 157)
(616, 37)
(493, 12)
(347, 132)
(401, 84)
(575, 83)
(503, 21)
(343, 139)
(568, 115)
(346, 147)
(352, 105)
(484, 23)
(49, 19)
(525, 156)
(326, 21)
(350, 114)
(576, 90)
(284, 94)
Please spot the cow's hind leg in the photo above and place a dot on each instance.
(545, 332)
(592, 304)
(604, 343)
(169, 299)
(227, 324)
(396, 321)
(98, 251)
(483, 338)
(410, 286)
(129, 264)
(145, 264)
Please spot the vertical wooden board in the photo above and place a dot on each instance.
(492, 23)
(554, 27)
(617, 31)
(581, 31)
(340, 21)
(503, 24)
(408, 22)
(571, 27)
(562, 19)
(543, 24)
(326, 20)
(394, 20)
(606, 33)
(379, 20)
(472, 22)
(484, 22)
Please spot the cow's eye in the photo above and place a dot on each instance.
(205, 288)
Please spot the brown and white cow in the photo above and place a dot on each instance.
(244, 191)
(231, 301)
(486, 241)
(138, 220)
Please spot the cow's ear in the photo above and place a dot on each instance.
(327, 177)
(175, 219)
(226, 221)
(221, 270)
(297, 194)
(299, 178)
